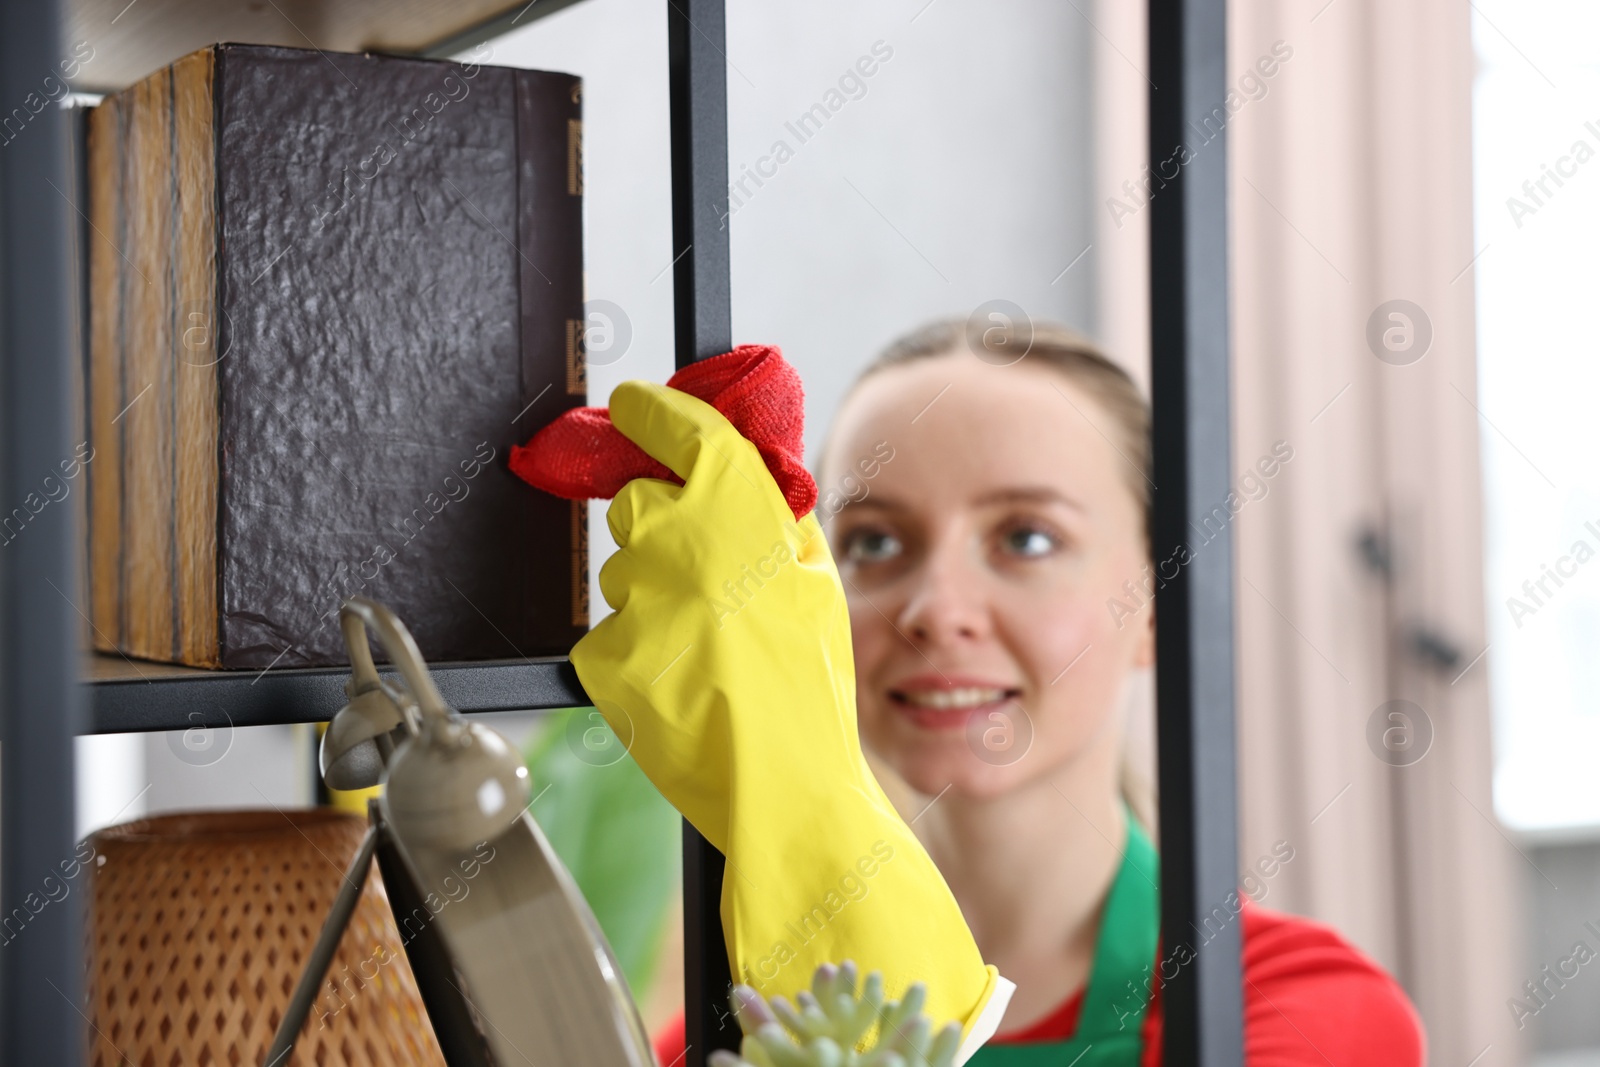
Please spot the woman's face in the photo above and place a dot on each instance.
(980, 560)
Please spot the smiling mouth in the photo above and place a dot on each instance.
(959, 699)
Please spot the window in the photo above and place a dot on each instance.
(1536, 132)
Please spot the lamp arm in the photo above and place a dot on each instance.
(398, 642)
(363, 672)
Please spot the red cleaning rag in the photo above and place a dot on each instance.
(581, 455)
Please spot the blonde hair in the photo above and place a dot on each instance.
(1062, 349)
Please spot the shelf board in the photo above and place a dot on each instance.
(127, 696)
(133, 40)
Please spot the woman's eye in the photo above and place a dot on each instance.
(1029, 542)
(872, 546)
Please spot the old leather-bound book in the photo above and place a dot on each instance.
(327, 293)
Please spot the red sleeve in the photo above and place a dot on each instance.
(1311, 999)
(669, 1041)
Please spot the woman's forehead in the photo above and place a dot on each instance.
(955, 419)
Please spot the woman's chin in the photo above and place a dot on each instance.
(946, 770)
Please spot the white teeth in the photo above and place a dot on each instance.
(947, 699)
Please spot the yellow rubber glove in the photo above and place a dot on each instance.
(727, 668)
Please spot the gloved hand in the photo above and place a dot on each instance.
(727, 667)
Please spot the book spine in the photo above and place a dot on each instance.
(152, 368)
(197, 359)
(145, 342)
(553, 326)
(105, 129)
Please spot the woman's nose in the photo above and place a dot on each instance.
(946, 601)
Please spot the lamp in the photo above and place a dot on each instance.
(361, 737)
(508, 958)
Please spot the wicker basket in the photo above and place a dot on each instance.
(197, 928)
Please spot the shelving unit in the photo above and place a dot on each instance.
(126, 696)
(50, 691)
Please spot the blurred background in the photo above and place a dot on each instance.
(1414, 194)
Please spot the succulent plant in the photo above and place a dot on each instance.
(832, 1019)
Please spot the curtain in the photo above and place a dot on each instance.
(1363, 715)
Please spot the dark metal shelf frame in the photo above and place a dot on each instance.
(164, 700)
(1190, 381)
(43, 697)
(41, 971)
(702, 312)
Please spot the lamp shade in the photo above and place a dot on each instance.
(354, 749)
(198, 925)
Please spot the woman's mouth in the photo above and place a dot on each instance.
(942, 704)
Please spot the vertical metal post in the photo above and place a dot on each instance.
(702, 322)
(41, 958)
(1194, 631)
(698, 103)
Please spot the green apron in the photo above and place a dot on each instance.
(1118, 996)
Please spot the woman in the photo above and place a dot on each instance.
(980, 566)
(981, 561)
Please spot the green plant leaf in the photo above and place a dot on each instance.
(617, 835)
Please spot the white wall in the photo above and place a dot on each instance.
(960, 172)
(960, 176)
(121, 777)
